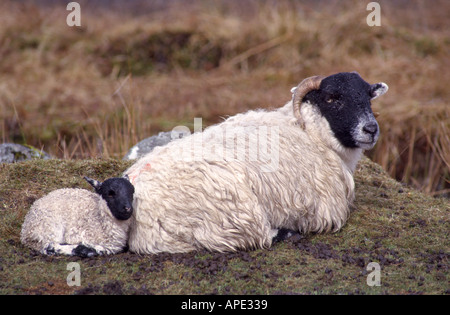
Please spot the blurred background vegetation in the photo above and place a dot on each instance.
(138, 67)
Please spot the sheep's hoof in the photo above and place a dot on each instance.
(283, 234)
(50, 251)
(84, 251)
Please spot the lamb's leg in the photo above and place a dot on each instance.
(54, 242)
(90, 250)
(59, 249)
(70, 250)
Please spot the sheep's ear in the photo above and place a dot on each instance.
(94, 183)
(378, 89)
(126, 177)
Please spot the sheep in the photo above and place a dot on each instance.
(73, 221)
(257, 176)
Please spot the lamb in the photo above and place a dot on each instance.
(248, 181)
(78, 222)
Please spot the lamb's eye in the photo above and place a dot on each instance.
(111, 193)
(329, 100)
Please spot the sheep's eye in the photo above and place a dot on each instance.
(111, 193)
(331, 98)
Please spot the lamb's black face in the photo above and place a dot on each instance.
(118, 194)
(344, 100)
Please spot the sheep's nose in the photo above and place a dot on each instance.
(371, 128)
(128, 209)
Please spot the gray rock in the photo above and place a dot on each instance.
(147, 145)
(12, 152)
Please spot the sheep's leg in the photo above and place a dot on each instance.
(84, 251)
(283, 234)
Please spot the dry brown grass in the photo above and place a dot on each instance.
(98, 89)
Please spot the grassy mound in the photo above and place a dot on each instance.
(402, 230)
(140, 67)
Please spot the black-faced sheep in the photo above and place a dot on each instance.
(78, 222)
(236, 184)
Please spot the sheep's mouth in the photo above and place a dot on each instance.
(122, 216)
(366, 145)
(365, 138)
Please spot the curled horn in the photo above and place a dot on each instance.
(308, 84)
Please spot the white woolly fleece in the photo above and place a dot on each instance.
(233, 194)
(66, 218)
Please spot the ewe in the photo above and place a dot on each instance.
(79, 222)
(237, 184)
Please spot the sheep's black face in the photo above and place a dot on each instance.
(344, 100)
(118, 194)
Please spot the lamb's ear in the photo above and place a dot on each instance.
(94, 183)
(378, 89)
(126, 177)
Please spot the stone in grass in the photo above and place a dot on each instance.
(147, 145)
(12, 153)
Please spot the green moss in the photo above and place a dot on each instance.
(36, 153)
